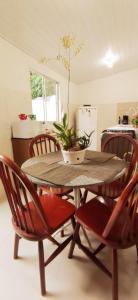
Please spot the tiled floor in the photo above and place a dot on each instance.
(75, 279)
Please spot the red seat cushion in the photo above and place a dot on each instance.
(56, 210)
(94, 215)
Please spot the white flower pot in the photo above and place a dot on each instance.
(73, 157)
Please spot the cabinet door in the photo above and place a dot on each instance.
(20, 150)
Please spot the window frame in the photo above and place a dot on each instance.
(44, 78)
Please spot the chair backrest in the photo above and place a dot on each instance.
(125, 147)
(106, 133)
(20, 191)
(43, 144)
(124, 217)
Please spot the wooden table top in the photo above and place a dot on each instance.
(97, 168)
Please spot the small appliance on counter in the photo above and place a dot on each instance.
(125, 120)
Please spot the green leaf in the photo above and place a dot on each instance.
(65, 121)
(58, 126)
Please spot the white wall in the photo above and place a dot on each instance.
(105, 93)
(15, 93)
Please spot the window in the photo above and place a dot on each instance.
(45, 97)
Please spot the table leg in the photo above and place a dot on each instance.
(77, 198)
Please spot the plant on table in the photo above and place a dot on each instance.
(69, 140)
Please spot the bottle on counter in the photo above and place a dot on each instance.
(119, 120)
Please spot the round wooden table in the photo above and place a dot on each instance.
(97, 168)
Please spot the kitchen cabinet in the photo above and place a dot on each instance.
(20, 148)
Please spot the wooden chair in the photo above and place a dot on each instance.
(116, 228)
(125, 147)
(44, 144)
(34, 218)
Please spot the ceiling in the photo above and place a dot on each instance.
(35, 27)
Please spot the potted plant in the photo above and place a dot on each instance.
(135, 120)
(73, 147)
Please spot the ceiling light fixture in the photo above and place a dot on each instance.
(110, 58)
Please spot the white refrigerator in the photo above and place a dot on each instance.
(86, 121)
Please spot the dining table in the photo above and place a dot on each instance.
(96, 169)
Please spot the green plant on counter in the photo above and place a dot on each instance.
(135, 120)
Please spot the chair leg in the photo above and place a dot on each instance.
(62, 232)
(84, 197)
(73, 222)
(137, 252)
(41, 267)
(40, 192)
(81, 194)
(75, 237)
(16, 246)
(99, 248)
(114, 275)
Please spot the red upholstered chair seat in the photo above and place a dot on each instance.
(56, 210)
(95, 215)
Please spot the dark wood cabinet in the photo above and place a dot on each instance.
(20, 149)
